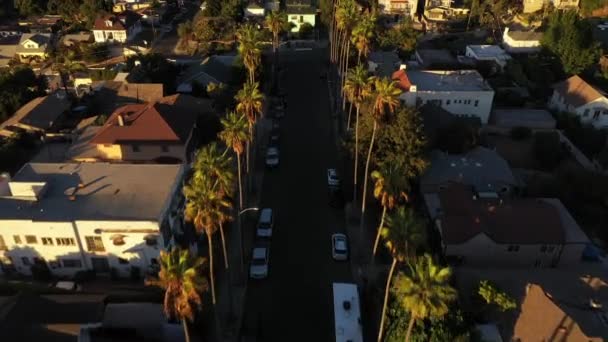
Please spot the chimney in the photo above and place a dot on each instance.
(5, 178)
(402, 66)
(121, 121)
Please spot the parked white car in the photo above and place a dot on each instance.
(259, 263)
(265, 223)
(603, 26)
(339, 247)
(332, 178)
(272, 157)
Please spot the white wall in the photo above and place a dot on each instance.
(299, 19)
(102, 36)
(254, 12)
(458, 101)
(585, 112)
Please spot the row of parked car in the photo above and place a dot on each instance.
(277, 112)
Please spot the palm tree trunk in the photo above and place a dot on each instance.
(358, 57)
(247, 157)
(344, 73)
(409, 328)
(350, 112)
(238, 162)
(186, 333)
(386, 292)
(369, 157)
(378, 233)
(224, 245)
(211, 275)
(356, 153)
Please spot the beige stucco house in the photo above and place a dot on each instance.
(163, 131)
(485, 229)
(73, 217)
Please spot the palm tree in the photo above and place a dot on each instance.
(385, 98)
(183, 283)
(276, 22)
(403, 233)
(204, 208)
(362, 34)
(390, 184)
(235, 135)
(357, 87)
(347, 15)
(250, 101)
(425, 291)
(249, 48)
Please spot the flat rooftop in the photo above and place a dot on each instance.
(348, 321)
(488, 51)
(101, 191)
(447, 80)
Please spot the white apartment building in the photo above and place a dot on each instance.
(578, 97)
(460, 92)
(97, 216)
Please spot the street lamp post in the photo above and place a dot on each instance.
(242, 236)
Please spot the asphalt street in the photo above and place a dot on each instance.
(295, 303)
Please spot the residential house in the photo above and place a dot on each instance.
(460, 92)
(404, 7)
(566, 4)
(139, 320)
(107, 96)
(118, 28)
(39, 115)
(33, 47)
(483, 228)
(444, 10)
(161, 132)
(531, 6)
(483, 169)
(77, 39)
(523, 117)
(488, 53)
(300, 12)
(254, 9)
(73, 217)
(519, 41)
(553, 304)
(383, 63)
(578, 97)
(218, 69)
(435, 59)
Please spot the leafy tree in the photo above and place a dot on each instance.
(457, 137)
(213, 8)
(491, 294)
(185, 31)
(362, 34)
(402, 38)
(570, 39)
(27, 8)
(232, 9)
(235, 135)
(154, 68)
(424, 292)
(305, 30)
(183, 283)
(403, 234)
(18, 85)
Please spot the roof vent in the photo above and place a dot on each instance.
(346, 305)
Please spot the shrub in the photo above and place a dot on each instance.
(457, 137)
(547, 149)
(305, 30)
(521, 133)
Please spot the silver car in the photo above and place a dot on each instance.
(339, 247)
(259, 263)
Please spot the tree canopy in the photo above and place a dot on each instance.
(570, 38)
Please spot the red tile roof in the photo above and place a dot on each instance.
(171, 119)
(118, 22)
(506, 221)
(401, 77)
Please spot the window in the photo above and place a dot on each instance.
(294, 17)
(164, 148)
(447, 102)
(94, 244)
(123, 261)
(54, 264)
(26, 261)
(30, 239)
(586, 113)
(151, 240)
(135, 148)
(301, 19)
(17, 239)
(47, 241)
(71, 263)
(513, 248)
(65, 242)
(596, 114)
(2, 244)
(476, 103)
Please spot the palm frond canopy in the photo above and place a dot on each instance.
(250, 101)
(234, 133)
(390, 184)
(358, 84)
(181, 277)
(206, 208)
(403, 233)
(385, 97)
(209, 161)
